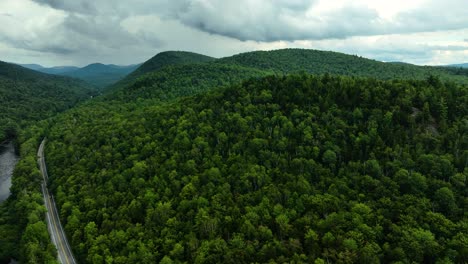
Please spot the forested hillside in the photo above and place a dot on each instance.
(284, 169)
(159, 61)
(169, 73)
(321, 62)
(234, 160)
(172, 82)
(27, 95)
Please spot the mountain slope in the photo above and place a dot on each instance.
(27, 95)
(159, 61)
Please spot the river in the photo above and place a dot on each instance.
(8, 160)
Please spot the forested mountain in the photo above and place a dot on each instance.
(102, 75)
(27, 95)
(234, 160)
(161, 60)
(321, 62)
(188, 73)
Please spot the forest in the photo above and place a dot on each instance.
(27, 95)
(296, 168)
(289, 156)
(321, 62)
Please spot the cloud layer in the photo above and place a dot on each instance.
(83, 31)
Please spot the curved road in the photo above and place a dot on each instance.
(65, 255)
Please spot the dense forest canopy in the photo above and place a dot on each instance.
(176, 81)
(280, 169)
(27, 95)
(251, 159)
(321, 62)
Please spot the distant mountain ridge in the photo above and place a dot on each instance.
(33, 66)
(97, 74)
(461, 65)
(58, 70)
(282, 61)
(102, 75)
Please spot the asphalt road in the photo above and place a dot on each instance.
(59, 239)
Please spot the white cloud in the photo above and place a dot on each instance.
(263, 20)
(431, 48)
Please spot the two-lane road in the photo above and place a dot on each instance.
(65, 255)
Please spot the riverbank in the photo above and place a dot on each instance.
(8, 160)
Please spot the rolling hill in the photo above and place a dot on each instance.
(189, 73)
(321, 62)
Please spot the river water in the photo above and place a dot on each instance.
(8, 160)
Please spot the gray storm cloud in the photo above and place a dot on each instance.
(84, 30)
(274, 20)
(78, 6)
(277, 20)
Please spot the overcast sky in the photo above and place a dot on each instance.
(79, 32)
